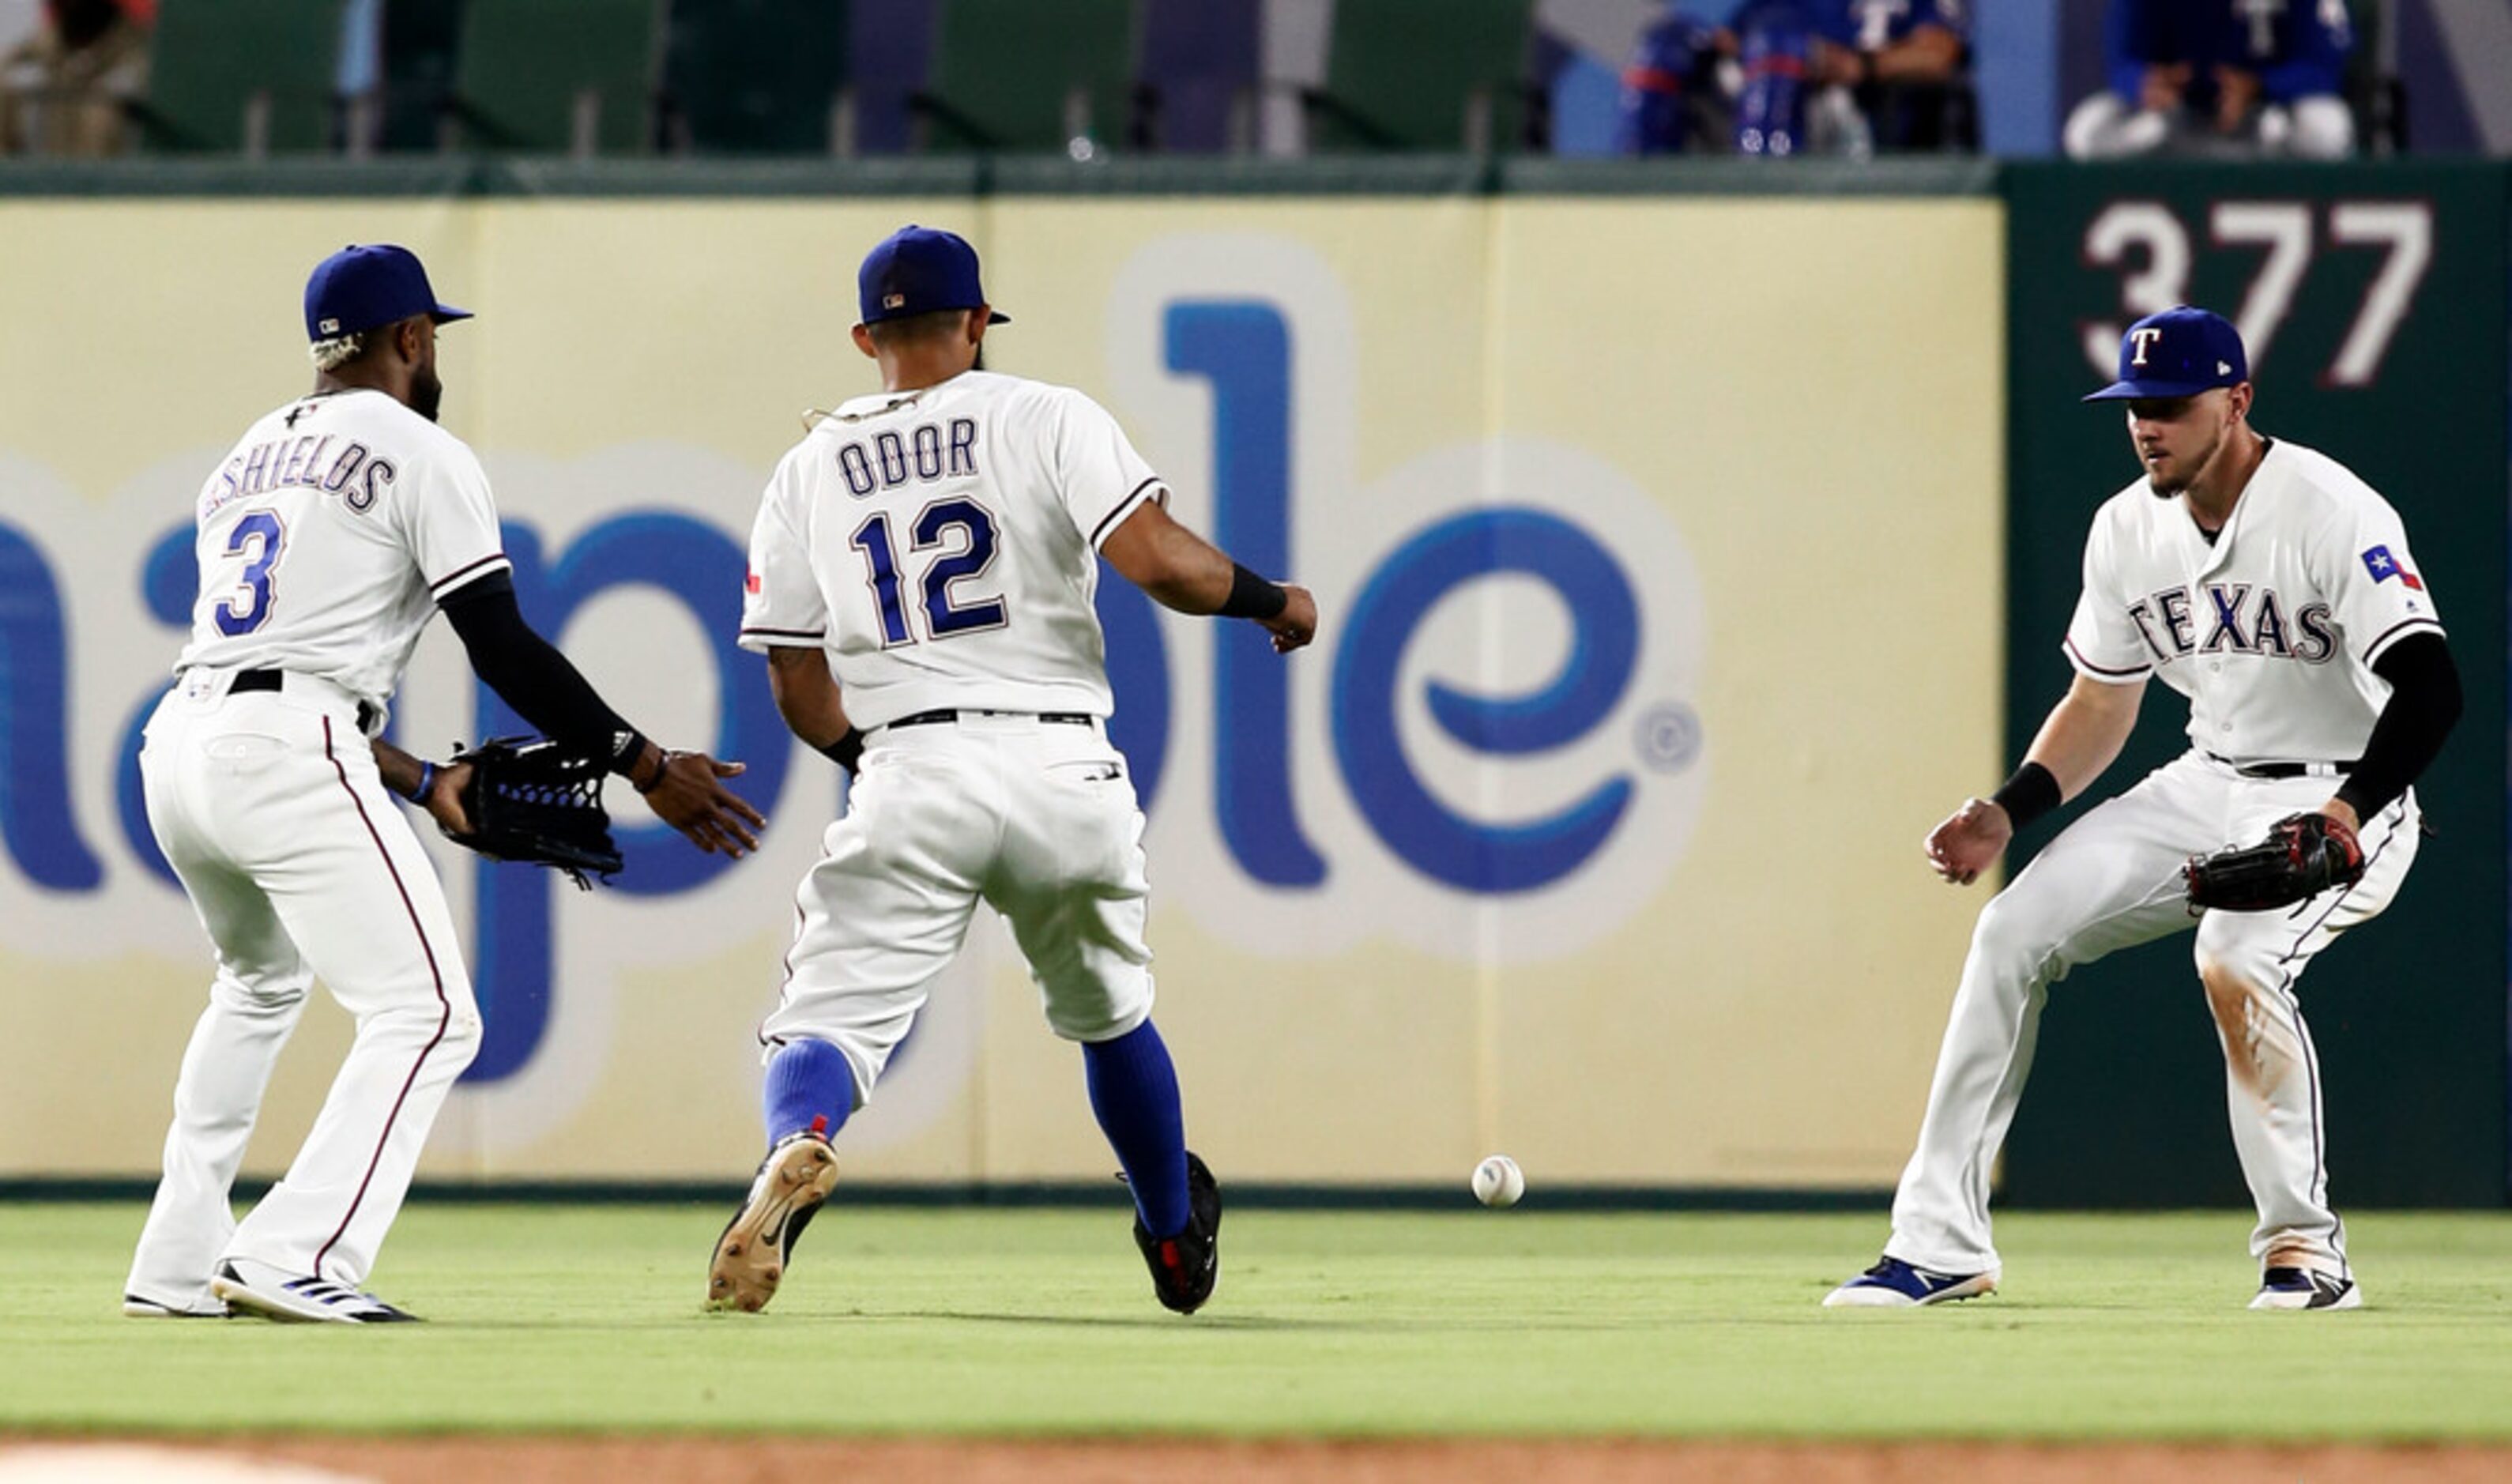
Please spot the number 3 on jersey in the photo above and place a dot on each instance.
(257, 538)
(943, 617)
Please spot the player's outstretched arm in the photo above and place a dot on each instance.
(2083, 735)
(1182, 570)
(685, 788)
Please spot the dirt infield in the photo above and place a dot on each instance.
(705, 1461)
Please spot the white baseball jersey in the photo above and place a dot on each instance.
(328, 536)
(942, 545)
(2273, 630)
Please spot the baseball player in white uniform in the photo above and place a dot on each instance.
(2276, 591)
(328, 539)
(921, 581)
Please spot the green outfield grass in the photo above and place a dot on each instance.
(989, 1321)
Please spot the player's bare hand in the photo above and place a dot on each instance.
(1297, 623)
(1969, 842)
(690, 796)
(444, 801)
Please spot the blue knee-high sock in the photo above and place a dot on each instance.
(1134, 1091)
(807, 1080)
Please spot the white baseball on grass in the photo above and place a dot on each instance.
(1499, 1182)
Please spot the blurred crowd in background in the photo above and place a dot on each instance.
(2314, 79)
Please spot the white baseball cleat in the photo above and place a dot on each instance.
(270, 1293)
(206, 1307)
(1894, 1284)
(750, 1257)
(2306, 1288)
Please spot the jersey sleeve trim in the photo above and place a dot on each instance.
(494, 561)
(1125, 507)
(762, 631)
(2102, 673)
(2396, 632)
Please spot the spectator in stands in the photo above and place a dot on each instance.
(86, 57)
(2217, 77)
(1803, 76)
(1670, 101)
(1907, 64)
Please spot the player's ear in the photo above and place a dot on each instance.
(410, 340)
(863, 342)
(2242, 392)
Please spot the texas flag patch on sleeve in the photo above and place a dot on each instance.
(2383, 567)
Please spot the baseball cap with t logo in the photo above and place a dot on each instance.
(2178, 353)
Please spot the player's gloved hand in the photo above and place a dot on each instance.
(1297, 623)
(1969, 841)
(686, 790)
(2303, 856)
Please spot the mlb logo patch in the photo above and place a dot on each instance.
(329, 327)
(2383, 567)
(894, 301)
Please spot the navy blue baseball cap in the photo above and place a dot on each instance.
(359, 288)
(919, 270)
(2178, 353)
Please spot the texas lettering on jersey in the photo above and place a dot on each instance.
(2239, 618)
(2272, 629)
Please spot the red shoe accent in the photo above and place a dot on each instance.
(1169, 1254)
(820, 1125)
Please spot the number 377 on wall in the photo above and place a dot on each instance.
(2152, 249)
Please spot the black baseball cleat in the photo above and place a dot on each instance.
(751, 1255)
(1185, 1267)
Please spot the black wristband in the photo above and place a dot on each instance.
(1252, 597)
(2031, 793)
(848, 751)
(627, 745)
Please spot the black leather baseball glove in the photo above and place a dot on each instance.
(530, 800)
(2303, 856)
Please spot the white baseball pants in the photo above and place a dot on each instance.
(2110, 881)
(1037, 818)
(299, 864)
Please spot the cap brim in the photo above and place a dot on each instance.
(998, 317)
(2122, 391)
(444, 314)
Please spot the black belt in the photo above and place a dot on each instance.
(277, 679)
(954, 714)
(2284, 770)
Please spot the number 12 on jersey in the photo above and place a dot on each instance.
(976, 552)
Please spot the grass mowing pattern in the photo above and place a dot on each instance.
(565, 1318)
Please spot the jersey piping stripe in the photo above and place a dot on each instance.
(787, 633)
(2082, 663)
(465, 571)
(2396, 632)
(1125, 507)
(444, 1006)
